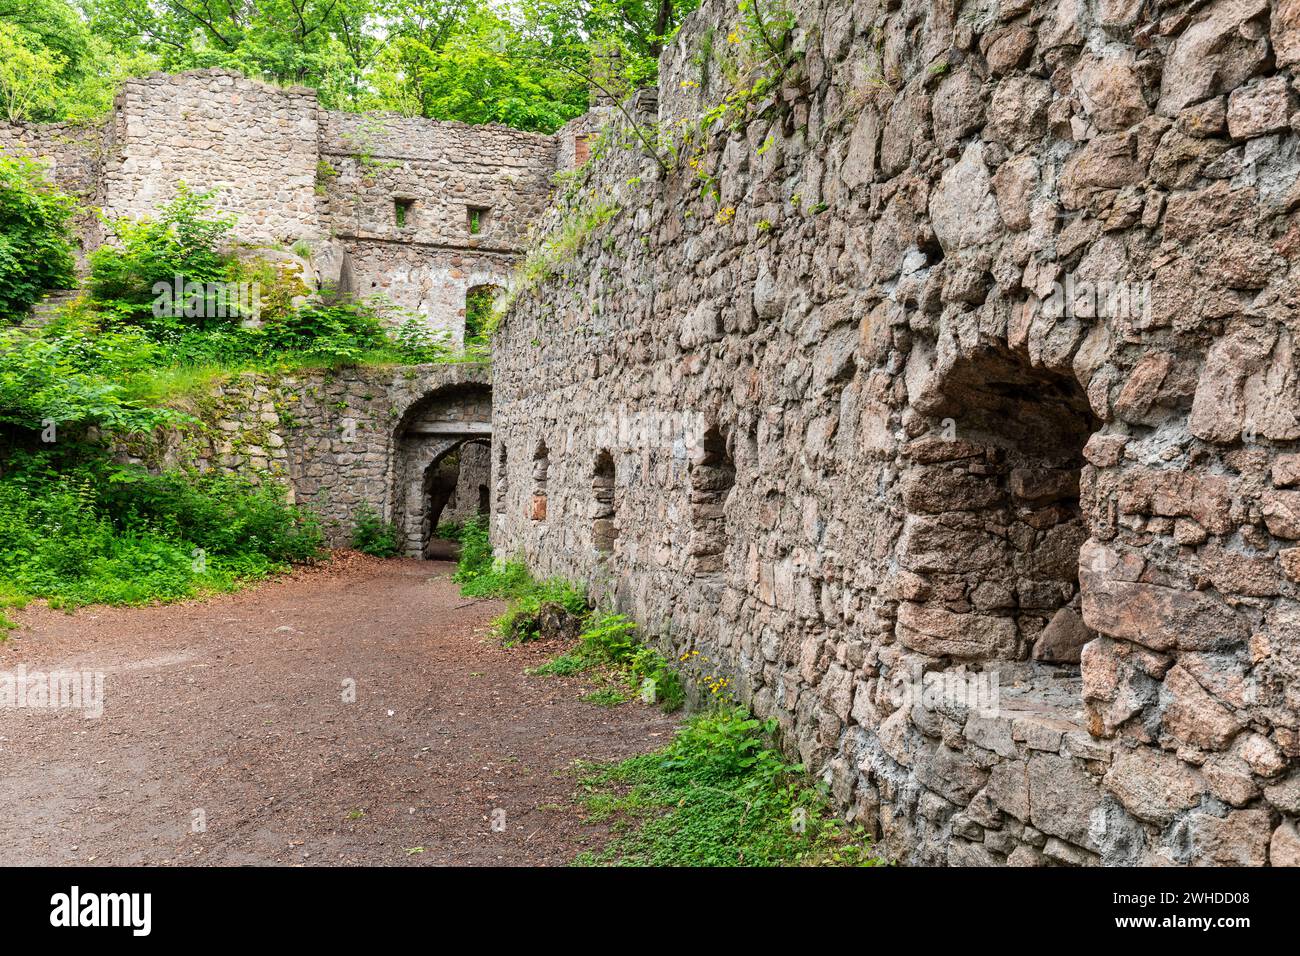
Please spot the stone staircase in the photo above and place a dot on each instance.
(46, 309)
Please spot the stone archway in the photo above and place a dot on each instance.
(437, 426)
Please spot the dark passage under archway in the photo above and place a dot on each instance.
(442, 465)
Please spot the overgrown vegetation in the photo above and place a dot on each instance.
(372, 535)
(721, 794)
(94, 532)
(524, 63)
(75, 527)
(611, 651)
(35, 251)
(479, 574)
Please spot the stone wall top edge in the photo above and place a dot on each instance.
(342, 117)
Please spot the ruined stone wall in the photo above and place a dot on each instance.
(950, 408)
(337, 440)
(426, 257)
(255, 144)
(383, 202)
(73, 157)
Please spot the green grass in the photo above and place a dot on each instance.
(607, 697)
(480, 574)
(720, 794)
(611, 648)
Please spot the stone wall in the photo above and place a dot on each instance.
(383, 202)
(949, 403)
(341, 440)
(428, 256)
(255, 144)
(73, 156)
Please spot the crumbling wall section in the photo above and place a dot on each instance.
(952, 403)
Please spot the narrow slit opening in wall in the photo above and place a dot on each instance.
(477, 218)
(713, 475)
(503, 480)
(541, 472)
(604, 530)
(402, 209)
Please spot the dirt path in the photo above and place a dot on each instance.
(234, 707)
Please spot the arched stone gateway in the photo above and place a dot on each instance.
(441, 459)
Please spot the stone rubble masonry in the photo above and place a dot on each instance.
(969, 359)
(339, 440)
(297, 174)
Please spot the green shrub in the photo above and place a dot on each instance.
(612, 644)
(97, 533)
(184, 244)
(721, 794)
(338, 334)
(520, 624)
(72, 380)
(372, 535)
(475, 560)
(35, 248)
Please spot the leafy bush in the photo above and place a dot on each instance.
(185, 244)
(338, 334)
(721, 794)
(35, 250)
(521, 622)
(96, 533)
(71, 380)
(475, 559)
(372, 535)
(612, 644)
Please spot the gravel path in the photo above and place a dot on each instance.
(227, 717)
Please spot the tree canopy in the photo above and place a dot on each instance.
(524, 63)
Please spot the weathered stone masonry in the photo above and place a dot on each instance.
(854, 439)
(340, 440)
(382, 202)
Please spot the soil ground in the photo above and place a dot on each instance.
(226, 737)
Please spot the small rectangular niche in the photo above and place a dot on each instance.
(476, 219)
(402, 208)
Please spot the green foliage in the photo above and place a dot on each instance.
(474, 567)
(35, 251)
(183, 245)
(524, 63)
(520, 623)
(611, 646)
(343, 333)
(721, 794)
(372, 535)
(480, 575)
(72, 381)
(95, 532)
(480, 303)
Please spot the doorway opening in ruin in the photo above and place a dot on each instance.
(713, 475)
(994, 521)
(480, 301)
(454, 492)
(441, 465)
(604, 527)
(541, 470)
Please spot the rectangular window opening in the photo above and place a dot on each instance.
(402, 211)
(478, 216)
